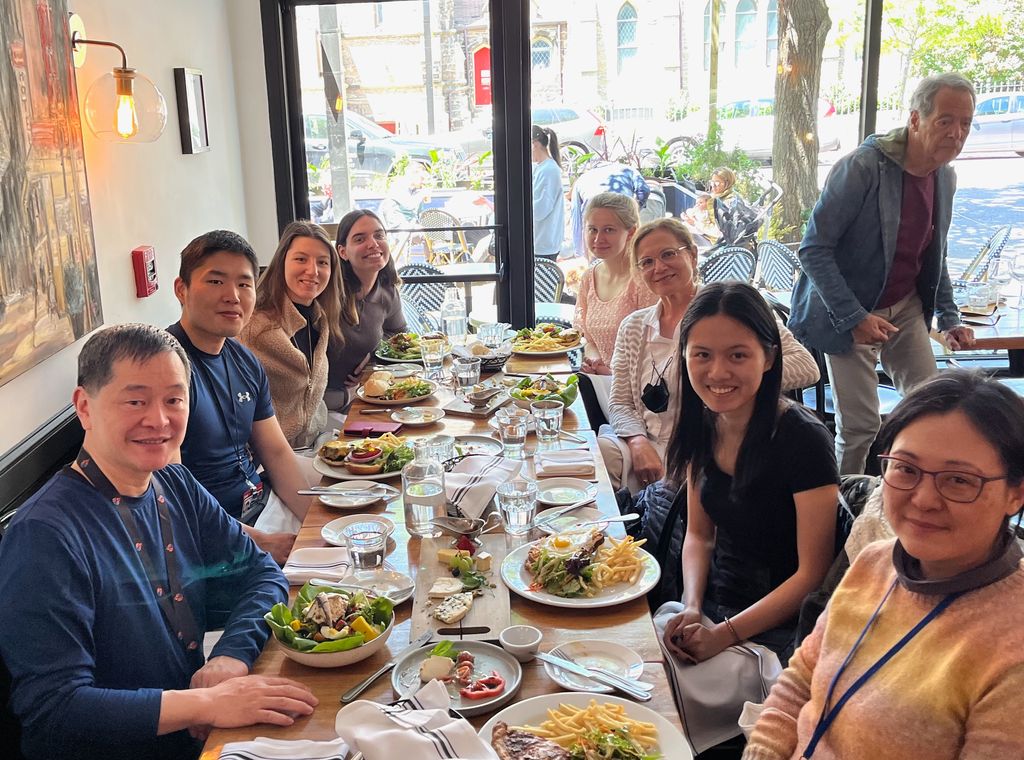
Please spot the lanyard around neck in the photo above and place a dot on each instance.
(171, 598)
(829, 715)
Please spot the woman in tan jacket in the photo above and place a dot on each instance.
(298, 313)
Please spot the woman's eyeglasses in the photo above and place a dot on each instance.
(669, 254)
(961, 487)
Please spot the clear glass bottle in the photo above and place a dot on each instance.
(423, 491)
(453, 316)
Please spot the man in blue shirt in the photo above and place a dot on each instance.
(232, 429)
(111, 573)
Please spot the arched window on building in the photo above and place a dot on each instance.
(744, 54)
(707, 32)
(626, 26)
(772, 34)
(540, 53)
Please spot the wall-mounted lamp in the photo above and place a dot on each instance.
(122, 106)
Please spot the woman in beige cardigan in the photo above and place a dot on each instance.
(298, 312)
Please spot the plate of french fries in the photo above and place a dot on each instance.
(583, 568)
(546, 339)
(578, 719)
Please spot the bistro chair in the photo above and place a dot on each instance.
(427, 296)
(777, 266)
(729, 263)
(548, 281)
(416, 320)
(978, 269)
(446, 245)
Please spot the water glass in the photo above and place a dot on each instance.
(513, 425)
(467, 371)
(517, 500)
(366, 544)
(442, 447)
(978, 294)
(1017, 270)
(433, 351)
(548, 416)
(492, 334)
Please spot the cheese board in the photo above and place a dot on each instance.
(488, 614)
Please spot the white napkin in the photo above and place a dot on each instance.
(573, 462)
(419, 728)
(277, 518)
(331, 563)
(262, 748)
(474, 480)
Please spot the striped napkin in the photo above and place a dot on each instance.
(419, 728)
(474, 480)
(262, 748)
(329, 562)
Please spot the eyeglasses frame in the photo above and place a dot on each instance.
(985, 480)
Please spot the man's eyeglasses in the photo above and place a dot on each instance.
(961, 487)
(669, 254)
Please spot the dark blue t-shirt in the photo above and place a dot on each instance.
(227, 393)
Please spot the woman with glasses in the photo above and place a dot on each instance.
(644, 398)
(761, 480)
(371, 307)
(920, 652)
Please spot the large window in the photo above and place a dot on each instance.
(626, 30)
(747, 41)
(540, 54)
(772, 33)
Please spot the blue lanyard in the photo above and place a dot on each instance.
(827, 715)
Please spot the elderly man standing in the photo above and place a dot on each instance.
(874, 261)
(109, 575)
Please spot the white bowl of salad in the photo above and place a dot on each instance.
(332, 626)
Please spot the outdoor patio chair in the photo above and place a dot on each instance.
(416, 319)
(729, 263)
(978, 269)
(427, 296)
(446, 245)
(777, 266)
(548, 281)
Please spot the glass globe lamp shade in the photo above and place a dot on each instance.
(125, 106)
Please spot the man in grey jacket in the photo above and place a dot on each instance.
(874, 261)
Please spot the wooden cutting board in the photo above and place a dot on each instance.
(459, 406)
(490, 613)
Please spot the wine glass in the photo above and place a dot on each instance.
(1017, 270)
(999, 275)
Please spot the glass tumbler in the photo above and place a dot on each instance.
(513, 425)
(517, 500)
(548, 416)
(433, 351)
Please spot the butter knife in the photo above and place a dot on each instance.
(624, 686)
(360, 687)
(564, 510)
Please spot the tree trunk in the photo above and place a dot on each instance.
(803, 25)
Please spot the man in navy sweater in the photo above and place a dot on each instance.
(110, 573)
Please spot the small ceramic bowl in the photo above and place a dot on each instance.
(521, 641)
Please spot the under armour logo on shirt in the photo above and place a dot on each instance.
(244, 397)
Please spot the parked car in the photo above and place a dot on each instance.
(749, 125)
(373, 150)
(998, 123)
(579, 131)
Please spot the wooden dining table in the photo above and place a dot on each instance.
(628, 623)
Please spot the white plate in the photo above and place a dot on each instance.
(399, 370)
(594, 653)
(515, 576)
(392, 360)
(350, 502)
(553, 352)
(478, 444)
(396, 586)
(331, 532)
(561, 492)
(487, 657)
(568, 523)
(342, 473)
(380, 401)
(671, 743)
(416, 416)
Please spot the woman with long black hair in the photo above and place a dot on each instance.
(548, 198)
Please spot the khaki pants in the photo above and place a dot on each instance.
(906, 357)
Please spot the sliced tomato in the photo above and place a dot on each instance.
(364, 455)
(482, 688)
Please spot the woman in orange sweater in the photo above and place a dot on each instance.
(920, 653)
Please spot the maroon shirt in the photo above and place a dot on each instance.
(915, 233)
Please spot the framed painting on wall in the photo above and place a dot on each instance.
(49, 285)
(188, 84)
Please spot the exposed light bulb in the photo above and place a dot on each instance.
(126, 119)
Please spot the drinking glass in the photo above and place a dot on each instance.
(548, 416)
(978, 294)
(433, 350)
(1017, 270)
(467, 371)
(492, 334)
(442, 447)
(366, 544)
(513, 425)
(517, 500)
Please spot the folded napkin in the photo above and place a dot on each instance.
(568, 462)
(331, 563)
(262, 748)
(419, 728)
(474, 480)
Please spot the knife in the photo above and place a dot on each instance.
(624, 686)
(360, 687)
(564, 510)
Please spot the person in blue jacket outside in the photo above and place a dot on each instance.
(548, 199)
(874, 261)
(110, 575)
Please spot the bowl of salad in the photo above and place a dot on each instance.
(543, 388)
(332, 626)
(404, 347)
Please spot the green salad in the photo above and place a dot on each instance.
(330, 619)
(404, 346)
(616, 744)
(546, 387)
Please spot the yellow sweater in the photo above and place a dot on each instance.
(954, 691)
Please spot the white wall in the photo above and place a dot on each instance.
(151, 193)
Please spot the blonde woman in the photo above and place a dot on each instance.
(298, 313)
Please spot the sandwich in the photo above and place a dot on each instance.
(364, 458)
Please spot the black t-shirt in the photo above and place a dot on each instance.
(755, 541)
